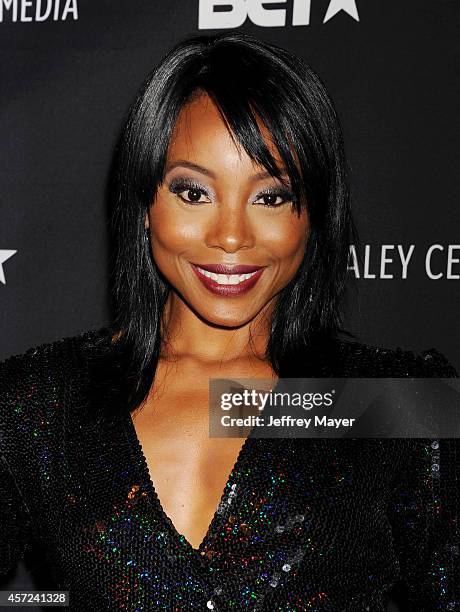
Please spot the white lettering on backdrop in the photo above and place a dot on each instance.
(233, 13)
(38, 10)
(387, 261)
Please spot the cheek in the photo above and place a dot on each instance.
(172, 230)
(286, 236)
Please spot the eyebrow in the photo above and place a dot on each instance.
(197, 168)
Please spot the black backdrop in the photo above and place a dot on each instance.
(69, 71)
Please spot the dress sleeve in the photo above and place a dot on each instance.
(14, 521)
(424, 511)
(14, 514)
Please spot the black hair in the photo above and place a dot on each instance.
(248, 79)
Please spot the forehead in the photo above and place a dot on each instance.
(201, 133)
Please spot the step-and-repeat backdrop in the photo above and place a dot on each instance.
(70, 69)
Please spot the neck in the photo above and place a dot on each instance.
(186, 334)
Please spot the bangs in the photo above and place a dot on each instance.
(248, 111)
(243, 117)
(259, 104)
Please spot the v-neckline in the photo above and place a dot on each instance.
(138, 454)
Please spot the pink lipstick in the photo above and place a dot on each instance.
(225, 280)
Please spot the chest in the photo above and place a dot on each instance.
(189, 470)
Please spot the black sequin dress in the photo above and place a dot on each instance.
(303, 524)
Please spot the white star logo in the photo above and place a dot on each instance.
(349, 6)
(4, 256)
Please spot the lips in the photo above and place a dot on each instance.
(226, 280)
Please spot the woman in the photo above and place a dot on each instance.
(231, 226)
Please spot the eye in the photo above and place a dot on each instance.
(273, 199)
(189, 191)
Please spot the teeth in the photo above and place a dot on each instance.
(226, 279)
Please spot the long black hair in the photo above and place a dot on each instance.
(248, 80)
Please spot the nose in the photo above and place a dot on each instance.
(230, 230)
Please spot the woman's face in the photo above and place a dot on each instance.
(223, 232)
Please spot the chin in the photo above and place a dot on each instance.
(227, 318)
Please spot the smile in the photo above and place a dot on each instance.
(228, 284)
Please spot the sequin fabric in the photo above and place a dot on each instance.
(302, 525)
